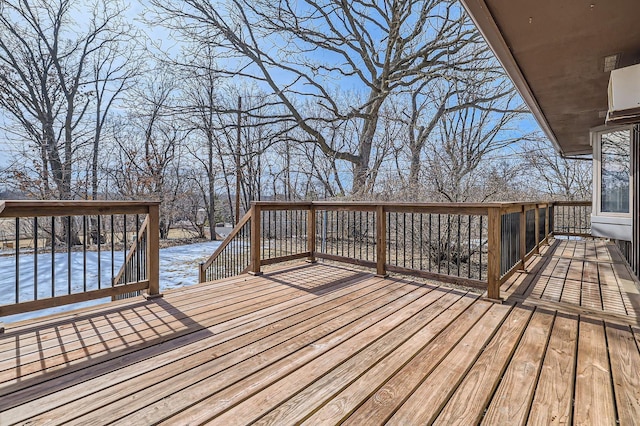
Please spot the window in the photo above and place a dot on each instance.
(614, 169)
(612, 172)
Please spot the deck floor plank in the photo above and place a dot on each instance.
(467, 404)
(349, 398)
(383, 403)
(352, 381)
(594, 402)
(107, 386)
(426, 401)
(625, 365)
(328, 344)
(288, 379)
(521, 375)
(292, 331)
(553, 400)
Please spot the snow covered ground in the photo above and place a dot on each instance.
(178, 268)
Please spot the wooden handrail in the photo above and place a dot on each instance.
(11, 208)
(225, 242)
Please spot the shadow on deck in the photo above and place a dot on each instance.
(324, 344)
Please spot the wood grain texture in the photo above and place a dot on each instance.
(466, 406)
(594, 403)
(625, 366)
(383, 403)
(427, 400)
(520, 377)
(552, 404)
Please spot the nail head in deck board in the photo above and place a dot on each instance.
(202, 362)
(625, 367)
(552, 403)
(521, 375)
(427, 400)
(382, 404)
(315, 361)
(466, 406)
(593, 395)
(344, 403)
(213, 393)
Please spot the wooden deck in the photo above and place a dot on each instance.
(322, 344)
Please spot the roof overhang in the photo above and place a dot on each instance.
(559, 55)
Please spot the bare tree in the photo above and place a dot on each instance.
(49, 65)
(303, 51)
(562, 178)
(457, 157)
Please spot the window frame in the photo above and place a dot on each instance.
(596, 141)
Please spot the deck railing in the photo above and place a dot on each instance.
(479, 245)
(64, 252)
(572, 218)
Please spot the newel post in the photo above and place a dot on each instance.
(153, 251)
(381, 241)
(201, 273)
(311, 234)
(255, 240)
(493, 261)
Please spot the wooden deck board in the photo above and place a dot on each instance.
(326, 344)
(521, 375)
(553, 399)
(594, 403)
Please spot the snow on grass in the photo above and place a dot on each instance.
(178, 268)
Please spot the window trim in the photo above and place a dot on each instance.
(596, 142)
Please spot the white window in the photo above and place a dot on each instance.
(612, 172)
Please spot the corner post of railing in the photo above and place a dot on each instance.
(381, 241)
(153, 251)
(536, 232)
(494, 255)
(311, 233)
(201, 273)
(523, 237)
(255, 239)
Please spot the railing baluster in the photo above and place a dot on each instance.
(458, 247)
(17, 268)
(99, 238)
(35, 258)
(124, 249)
(53, 255)
(113, 250)
(84, 253)
(68, 254)
(469, 247)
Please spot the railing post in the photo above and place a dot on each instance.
(153, 252)
(311, 234)
(493, 261)
(536, 249)
(201, 273)
(547, 223)
(523, 237)
(381, 241)
(255, 240)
